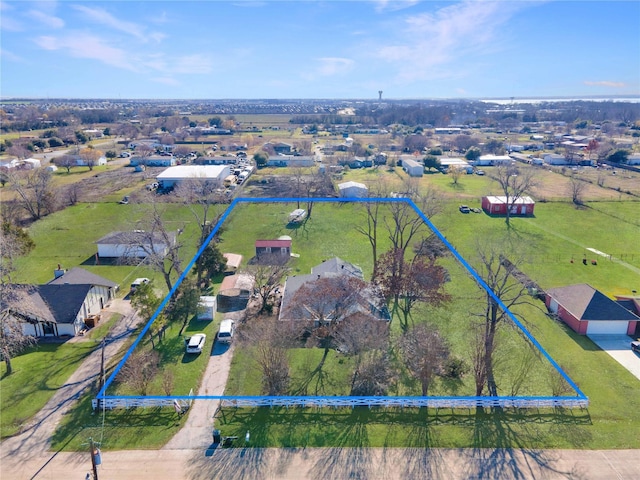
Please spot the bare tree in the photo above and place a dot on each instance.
(576, 190)
(372, 375)
(144, 150)
(65, 161)
(324, 303)
(16, 308)
(373, 212)
(514, 183)
(90, 156)
(424, 353)
(500, 274)
(159, 246)
(267, 276)
(270, 340)
(204, 200)
(407, 283)
(35, 191)
(140, 370)
(455, 173)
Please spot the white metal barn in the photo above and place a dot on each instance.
(174, 175)
(412, 167)
(353, 189)
(134, 244)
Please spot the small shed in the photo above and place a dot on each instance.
(353, 189)
(589, 312)
(497, 205)
(273, 247)
(207, 308)
(412, 167)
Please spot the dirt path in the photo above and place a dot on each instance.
(34, 441)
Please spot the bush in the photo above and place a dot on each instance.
(455, 368)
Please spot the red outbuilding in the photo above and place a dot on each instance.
(497, 205)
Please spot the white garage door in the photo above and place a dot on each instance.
(610, 328)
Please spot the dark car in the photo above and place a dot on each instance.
(635, 346)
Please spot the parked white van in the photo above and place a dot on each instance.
(226, 331)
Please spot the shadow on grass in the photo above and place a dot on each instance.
(341, 442)
(511, 455)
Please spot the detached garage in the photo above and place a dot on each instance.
(353, 189)
(497, 205)
(589, 312)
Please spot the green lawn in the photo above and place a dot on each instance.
(557, 233)
(37, 373)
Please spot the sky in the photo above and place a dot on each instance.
(331, 49)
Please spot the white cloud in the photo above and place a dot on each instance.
(82, 45)
(436, 40)
(393, 5)
(166, 81)
(11, 56)
(103, 17)
(605, 83)
(46, 19)
(328, 67)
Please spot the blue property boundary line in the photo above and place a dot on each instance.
(579, 400)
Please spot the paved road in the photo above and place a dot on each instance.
(190, 455)
(336, 463)
(34, 441)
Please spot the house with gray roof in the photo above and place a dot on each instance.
(63, 306)
(367, 300)
(590, 312)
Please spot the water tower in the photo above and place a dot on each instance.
(379, 95)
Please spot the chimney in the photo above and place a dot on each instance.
(58, 272)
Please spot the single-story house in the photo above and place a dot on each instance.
(555, 159)
(367, 301)
(174, 175)
(153, 161)
(291, 161)
(412, 167)
(62, 306)
(460, 163)
(133, 244)
(353, 189)
(497, 205)
(280, 247)
(589, 312)
(492, 160)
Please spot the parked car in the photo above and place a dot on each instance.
(226, 331)
(635, 346)
(479, 172)
(196, 343)
(136, 283)
(464, 209)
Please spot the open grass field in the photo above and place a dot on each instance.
(557, 233)
(613, 411)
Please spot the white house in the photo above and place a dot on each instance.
(62, 306)
(134, 244)
(353, 189)
(174, 175)
(554, 159)
(492, 160)
(412, 167)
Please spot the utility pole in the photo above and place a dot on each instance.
(92, 450)
(102, 365)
